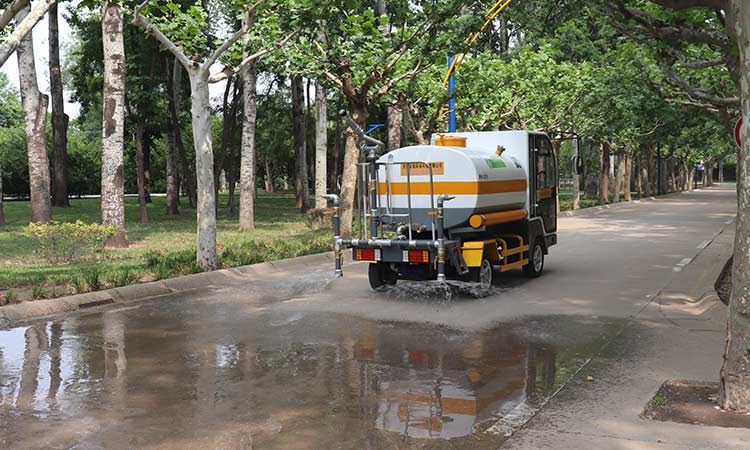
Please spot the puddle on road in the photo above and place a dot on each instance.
(192, 375)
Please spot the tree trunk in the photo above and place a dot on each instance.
(645, 175)
(140, 130)
(300, 142)
(619, 177)
(173, 180)
(349, 178)
(228, 114)
(270, 182)
(205, 244)
(735, 373)
(2, 213)
(576, 177)
(59, 118)
(721, 171)
(638, 176)
(336, 153)
(321, 146)
(604, 172)
(627, 177)
(35, 119)
(247, 159)
(147, 166)
(188, 175)
(113, 124)
(394, 127)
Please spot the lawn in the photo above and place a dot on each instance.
(162, 248)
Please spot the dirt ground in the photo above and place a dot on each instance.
(693, 403)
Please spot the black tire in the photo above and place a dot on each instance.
(482, 274)
(536, 260)
(380, 276)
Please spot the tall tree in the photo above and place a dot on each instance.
(722, 32)
(59, 118)
(35, 120)
(2, 212)
(140, 136)
(173, 178)
(321, 145)
(200, 77)
(366, 55)
(299, 123)
(247, 153)
(113, 123)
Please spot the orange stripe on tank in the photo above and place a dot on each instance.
(456, 187)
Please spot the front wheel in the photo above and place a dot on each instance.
(536, 260)
(380, 276)
(482, 274)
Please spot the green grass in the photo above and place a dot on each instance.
(566, 199)
(162, 248)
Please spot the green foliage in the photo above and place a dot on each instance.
(79, 285)
(10, 297)
(66, 242)
(255, 251)
(93, 279)
(38, 292)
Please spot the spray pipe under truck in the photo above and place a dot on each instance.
(460, 208)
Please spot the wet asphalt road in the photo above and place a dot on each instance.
(301, 361)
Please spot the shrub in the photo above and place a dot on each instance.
(79, 285)
(66, 242)
(93, 279)
(10, 297)
(117, 278)
(38, 292)
(319, 218)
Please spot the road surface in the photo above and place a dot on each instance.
(302, 361)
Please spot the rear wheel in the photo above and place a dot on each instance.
(536, 260)
(380, 276)
(482, 274)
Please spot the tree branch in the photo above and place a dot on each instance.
(139, 20)
(703, 64)
(671, 32)
(38, 10)
(237, 35)
(693, 92)
(10, 12)
(393, 82)
(231, 71)
(687, 4)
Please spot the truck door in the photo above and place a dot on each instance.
(544, 174)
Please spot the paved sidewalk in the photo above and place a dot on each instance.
(680, 335)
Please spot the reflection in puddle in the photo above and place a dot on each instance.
(182, 375)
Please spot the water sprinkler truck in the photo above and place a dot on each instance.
(460, 208)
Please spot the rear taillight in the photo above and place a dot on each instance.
(416, 256)
(366, 254)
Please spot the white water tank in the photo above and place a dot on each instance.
(481, 180)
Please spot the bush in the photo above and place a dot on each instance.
(38, 292)
(66, 242)
(319, 218)
(255, 251)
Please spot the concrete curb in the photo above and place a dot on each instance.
(11, 315)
